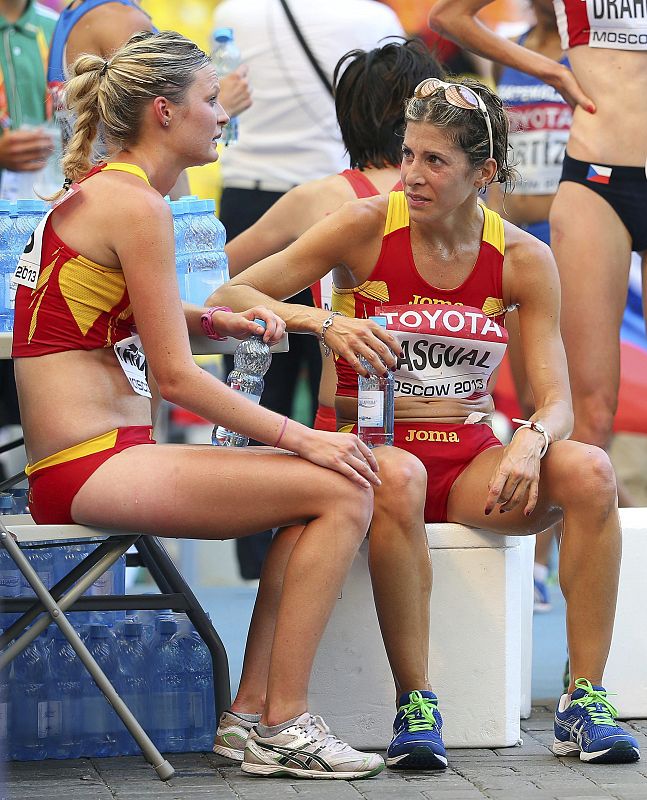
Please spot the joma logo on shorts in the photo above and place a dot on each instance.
(431, 436)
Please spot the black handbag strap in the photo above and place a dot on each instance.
(306, 48)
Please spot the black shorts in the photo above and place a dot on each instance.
(624, 189)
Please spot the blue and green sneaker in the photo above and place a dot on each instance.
(585, 725)
(417, 741)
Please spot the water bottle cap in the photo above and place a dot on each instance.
(6, 500)
(200, 206)
(223, 35)
(261, 322)
(211, 205)
(381, 321)
(5, 206)
(189, 197)
(168, 626)
(21, 491)
(24, 206)
(132, 628)
(178, 207)
(98, 630)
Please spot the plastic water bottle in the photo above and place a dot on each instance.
(7, 266)
(202, 714)
(42, 561)
(180, 211)
(29, 722)
(225, 56)
(20, 496)
(10, 575)
(375, 403)
(29, 215)
(68, 557)
(101, 727)
(64, 692)
(206, 266)
(252, 359)
(5, 707)
(112, 581)
(132, 658)
(169, 690)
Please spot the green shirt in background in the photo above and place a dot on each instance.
(24, 48)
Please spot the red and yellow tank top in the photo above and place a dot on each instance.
(363, 187)
(76, 304)
(395, 280)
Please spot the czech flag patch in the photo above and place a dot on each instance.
(598, 174)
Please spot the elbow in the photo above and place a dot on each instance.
(173, 384)
(439, 16)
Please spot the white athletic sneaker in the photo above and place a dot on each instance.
(231, 736)
(307, 749)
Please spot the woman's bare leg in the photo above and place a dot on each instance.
(577, 481)
(593, 252)
(400, 567)
(203, 492)
(252, 689)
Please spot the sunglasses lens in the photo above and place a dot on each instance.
(461, 96)
(427, 87)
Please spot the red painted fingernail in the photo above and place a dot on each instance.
(590, 108)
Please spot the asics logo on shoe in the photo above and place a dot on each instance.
(300, 758)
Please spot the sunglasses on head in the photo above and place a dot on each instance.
(459, 96)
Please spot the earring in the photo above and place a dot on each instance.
(166, 122)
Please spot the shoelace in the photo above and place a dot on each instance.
(318, 730)
(420, 712)
(595, 703)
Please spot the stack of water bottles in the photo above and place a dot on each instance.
(162, 671)
(17, 223)
(200, 257)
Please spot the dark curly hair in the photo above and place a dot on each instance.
(370, 91)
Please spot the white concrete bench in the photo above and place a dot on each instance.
(626, 672)
(478, 611)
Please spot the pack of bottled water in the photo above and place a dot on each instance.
(200, 258)
(49, 705)
(18, 221)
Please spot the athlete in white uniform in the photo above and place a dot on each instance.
(598, 215)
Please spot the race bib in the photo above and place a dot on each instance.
(28, 267)
(448, 351)
(617, 25)
(133, 362)
(538, 157)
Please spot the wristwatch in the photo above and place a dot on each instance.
(534, 426)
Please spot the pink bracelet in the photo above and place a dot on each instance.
(207, 323)
(283, 427)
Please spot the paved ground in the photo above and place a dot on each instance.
(529, 772)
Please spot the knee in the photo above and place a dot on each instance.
(404, 481)
(587, 478)
(353, 504)
(594, 419)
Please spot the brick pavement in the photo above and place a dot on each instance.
(529, 772)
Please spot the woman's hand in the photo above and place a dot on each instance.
(235, 93)
(516, 479)
(566, 84)
(241, 326)
(342, 452)
(361, 338)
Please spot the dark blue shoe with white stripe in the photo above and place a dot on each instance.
(417, 734)
(585, 725)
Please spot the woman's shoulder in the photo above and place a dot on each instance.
(525, 254)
